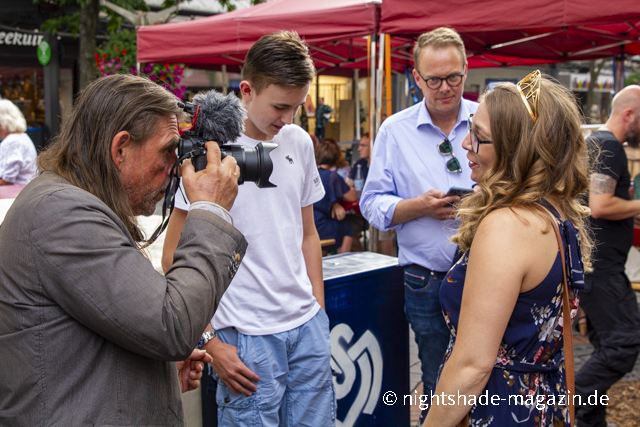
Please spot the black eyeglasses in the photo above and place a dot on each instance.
(475, 141)
(445, 148)
(453, 80)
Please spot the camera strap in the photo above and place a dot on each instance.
(170, 196)
(167, 204)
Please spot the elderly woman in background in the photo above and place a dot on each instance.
(17, 152)
(505, 301)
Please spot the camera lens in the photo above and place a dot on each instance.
(255, 163)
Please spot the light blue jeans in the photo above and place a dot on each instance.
(295, 387)
(422, 307)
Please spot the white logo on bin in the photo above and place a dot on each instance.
(343, 356)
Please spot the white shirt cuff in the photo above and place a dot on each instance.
(214, 208)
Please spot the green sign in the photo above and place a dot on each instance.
(44, 52)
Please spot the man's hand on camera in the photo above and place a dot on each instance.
(217, 183)
(437, 205)
(235, 374)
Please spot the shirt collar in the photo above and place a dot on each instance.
(424, 118)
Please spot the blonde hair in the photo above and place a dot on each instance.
(548, 158)
(439, 38)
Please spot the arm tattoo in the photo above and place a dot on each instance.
(602, 184)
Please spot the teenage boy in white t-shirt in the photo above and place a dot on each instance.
(272, 350)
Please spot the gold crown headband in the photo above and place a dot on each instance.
(529, 89)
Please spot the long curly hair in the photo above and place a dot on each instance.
(548, 158)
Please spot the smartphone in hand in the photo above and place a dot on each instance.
(458, 191)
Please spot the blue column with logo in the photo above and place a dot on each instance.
(364, 297)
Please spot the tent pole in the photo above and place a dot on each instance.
(356, 98)
(378, 112)
(379, 77)
(317, 98)
(387, 66)
(224, 80)
(372, 89)
(618, 73)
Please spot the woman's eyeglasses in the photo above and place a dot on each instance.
(475, 141)
(445, 148)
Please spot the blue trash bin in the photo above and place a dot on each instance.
(364, 298)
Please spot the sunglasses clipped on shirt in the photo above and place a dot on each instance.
(445, 148)
(475, 141)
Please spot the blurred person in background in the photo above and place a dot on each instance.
(323, 115)
(364, 150)
(329, 215)
(359, 224)
(341, 166)
(315, 141)
(17, 152)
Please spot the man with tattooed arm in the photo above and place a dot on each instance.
(608, 299)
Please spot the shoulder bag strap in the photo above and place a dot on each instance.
(567, 333)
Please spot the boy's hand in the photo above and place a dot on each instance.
(235, 374)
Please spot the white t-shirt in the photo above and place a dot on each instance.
(271, 291)
(17, 159)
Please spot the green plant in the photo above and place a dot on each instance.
(632, 79)
(117, 55)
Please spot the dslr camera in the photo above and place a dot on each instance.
(220, 118)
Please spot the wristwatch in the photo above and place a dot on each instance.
(206, 337)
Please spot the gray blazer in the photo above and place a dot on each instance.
(87, 326)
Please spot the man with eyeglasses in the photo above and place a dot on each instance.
(416, 159)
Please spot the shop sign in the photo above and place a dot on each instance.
(16, 38)
(44, 52)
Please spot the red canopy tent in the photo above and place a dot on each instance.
(333, 29)
(499, 32)
(495, 32)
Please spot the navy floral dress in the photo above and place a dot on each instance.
(528, 375)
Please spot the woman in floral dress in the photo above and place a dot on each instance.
(503, 300)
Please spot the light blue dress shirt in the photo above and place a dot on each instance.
(406, 163)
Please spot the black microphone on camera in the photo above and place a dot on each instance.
(220, 118)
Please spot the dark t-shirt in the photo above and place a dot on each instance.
(334, 188)
(613, 238)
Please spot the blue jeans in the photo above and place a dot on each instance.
(295, 387)
(422, 307)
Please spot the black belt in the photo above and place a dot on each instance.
(426, 270)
